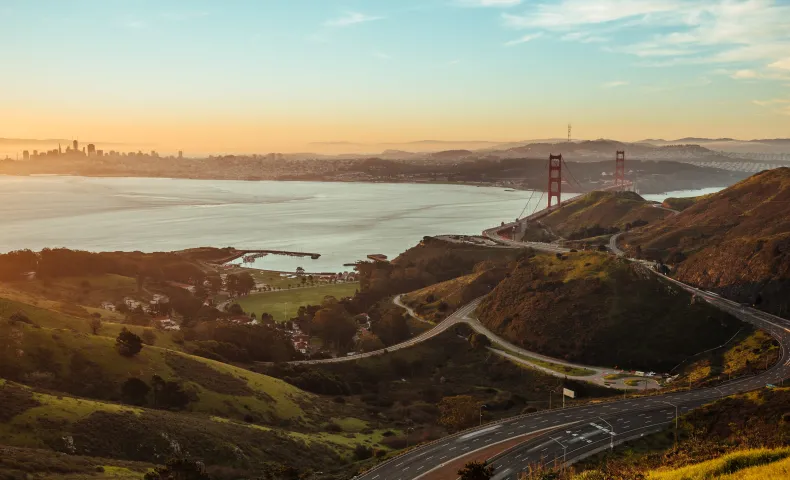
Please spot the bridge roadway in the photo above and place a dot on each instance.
(568, 435)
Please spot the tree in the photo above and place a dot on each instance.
(240, 284)
(134, 391)
(235, 309)
(369, 342)
(299, 271)
(459, 412)
(480, 341)
(392, 328)
(149, 337)
(168, 395)
(179, 469)
(214, 283)
(128, 344)
(476, 471)
(95, 325)
(361, 452)
(335, 326)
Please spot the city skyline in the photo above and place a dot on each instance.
(282, 76)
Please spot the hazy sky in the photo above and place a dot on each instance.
(264, 75)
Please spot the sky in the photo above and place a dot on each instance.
(252, 76)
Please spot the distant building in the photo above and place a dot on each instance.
(35, 153)
(76, 145)
(99, 153)
(180, 154)
(91, 149)
(25, 155)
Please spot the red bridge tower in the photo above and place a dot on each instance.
(555, 178)
(619, 171)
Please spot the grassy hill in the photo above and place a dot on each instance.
(89, 365)
(76, 426)
(682, 203)
(437, 301)
(597, 213)
(600, 310)
(759, 464)
(77, 296)
(735, 242)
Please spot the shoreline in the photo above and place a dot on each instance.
(364, 182)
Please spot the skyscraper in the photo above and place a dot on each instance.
(180, 154)
(91, 149)
(25, 155)
(76, 146)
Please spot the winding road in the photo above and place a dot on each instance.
(564, 436)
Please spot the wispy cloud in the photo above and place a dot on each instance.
(136, 24)
(574, 13)
(488, 3)
(745, 74)
(526, 38)
(184, 16)
(381, 55)
(351, 18)
(694, 83)
(780, 106)
(783, 64)
(615, 84)
(584, 37)
(752, 34)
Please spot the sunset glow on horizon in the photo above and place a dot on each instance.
(258, 76)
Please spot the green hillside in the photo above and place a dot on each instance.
(596, 213)
(600, 310)
(89, 365)
(734, 242)
(34, 420)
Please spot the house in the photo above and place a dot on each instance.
(160, 298)
(132, 303)
(241, 320)
(108, 306)
(167, 324)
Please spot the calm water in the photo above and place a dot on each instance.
(342, 221)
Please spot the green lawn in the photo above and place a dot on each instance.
(283, 304)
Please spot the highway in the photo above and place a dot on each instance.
(568, 435)
(574, 433)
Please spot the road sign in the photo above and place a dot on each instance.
(568, 393)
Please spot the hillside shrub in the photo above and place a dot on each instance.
(128, 344)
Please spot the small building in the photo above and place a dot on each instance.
(167, 324)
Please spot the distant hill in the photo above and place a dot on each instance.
(599, 310)
(599, 213)
(736, 242)
(733, 145)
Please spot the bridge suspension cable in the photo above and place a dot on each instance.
(581, 189)
(527, 205)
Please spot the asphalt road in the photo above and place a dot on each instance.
(574, 433)
(459, 316)
(568, 435)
